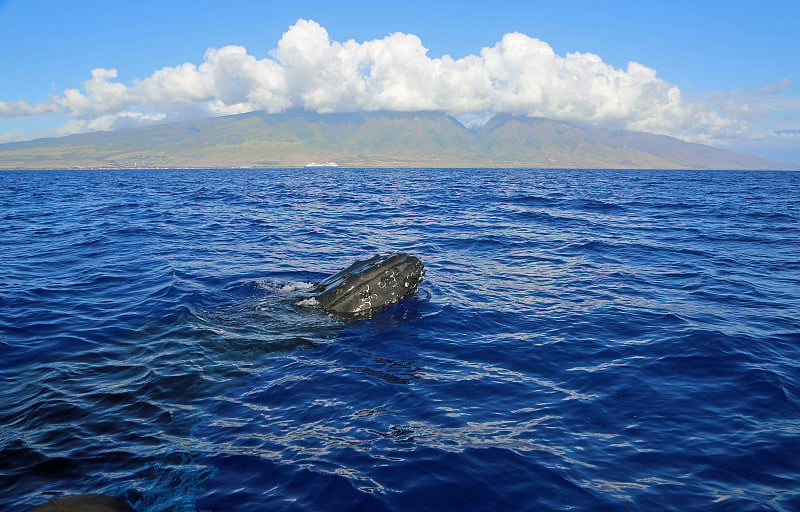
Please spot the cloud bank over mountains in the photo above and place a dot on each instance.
(518, 75)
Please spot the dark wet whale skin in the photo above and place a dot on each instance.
(369, 285)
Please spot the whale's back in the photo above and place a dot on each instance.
(369, 285)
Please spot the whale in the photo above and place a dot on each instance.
(369, 285)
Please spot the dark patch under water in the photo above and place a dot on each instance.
(583, 340)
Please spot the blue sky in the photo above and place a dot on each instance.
(722, 73)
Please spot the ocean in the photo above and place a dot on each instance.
(588, 340)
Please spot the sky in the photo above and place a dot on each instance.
(724, 73)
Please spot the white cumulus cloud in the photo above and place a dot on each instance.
(519, 75)
(22, 109)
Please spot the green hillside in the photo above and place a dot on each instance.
(375, 139)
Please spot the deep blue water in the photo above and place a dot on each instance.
(583, 340)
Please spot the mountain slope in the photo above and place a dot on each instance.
(547, 143)
(375, 139)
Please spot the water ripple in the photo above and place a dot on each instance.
(589, 340)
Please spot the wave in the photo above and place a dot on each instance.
(582, 339)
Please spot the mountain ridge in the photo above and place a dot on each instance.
(371, 139)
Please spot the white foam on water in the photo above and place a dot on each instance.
(284, 287)
(310, 302)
